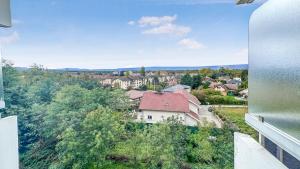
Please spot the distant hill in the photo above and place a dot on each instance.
(154, 68)
(240, 66)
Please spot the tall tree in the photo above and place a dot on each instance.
(196, 81)
(143, 71)
(186, 80)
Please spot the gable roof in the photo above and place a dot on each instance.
(135, 94)
(231, 86)
(170, 102)
(188, 96)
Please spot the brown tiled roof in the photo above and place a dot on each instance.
(170, 102)
(188, 96)
(231, 86)
(135, 94)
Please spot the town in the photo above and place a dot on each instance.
(159, 95)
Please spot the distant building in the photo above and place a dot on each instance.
(236, 81)
(244, 93)
(224, 78)
(137, 81)
(135, 95)
(123, 83)
(178, 87)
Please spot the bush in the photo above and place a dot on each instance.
(210, 96)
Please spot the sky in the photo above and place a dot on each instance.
(126, 33)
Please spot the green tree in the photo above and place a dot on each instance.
(200, 149)
(186, 80)
(89, 145)
(206, 72)
(197, 81)
(142, 71)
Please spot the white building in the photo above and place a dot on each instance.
(156, 107)
(123, 83)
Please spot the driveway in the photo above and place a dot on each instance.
(209, 116)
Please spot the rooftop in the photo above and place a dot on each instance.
(171, 102)
(176, 87)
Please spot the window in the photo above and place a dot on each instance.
(149, 117)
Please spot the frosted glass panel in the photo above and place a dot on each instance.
(2, 103)
(274, 64)
(5, 18)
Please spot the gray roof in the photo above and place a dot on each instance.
(176, 88)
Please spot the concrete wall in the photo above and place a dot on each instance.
(9, 158)
(249, 154)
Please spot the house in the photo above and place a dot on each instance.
(123, 83)
(156, 107)
(106, 81)
(224, 78)
(231, 87)
(236, 81)
(178, 87)
(194, 103)
(213, 85)
(221, 88)
(208, 80)
(137, 81)
(244, 93)
(135, 95)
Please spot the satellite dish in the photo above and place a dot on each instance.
(5, 16)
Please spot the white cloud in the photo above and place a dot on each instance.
(161, 25)
(170, 29)
(191, 43)
(131, 23)
(156, 21)
(4, 40)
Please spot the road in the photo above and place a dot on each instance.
(209, 116)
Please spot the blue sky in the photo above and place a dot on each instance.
(127, 33)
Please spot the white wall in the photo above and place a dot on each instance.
(194, 108)
(159, 116)
(9, 158)
(189, 121)
(249, 154)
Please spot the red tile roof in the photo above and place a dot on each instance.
(171, 102)
(188, 96)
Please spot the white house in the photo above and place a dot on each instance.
(137, 81)
(156, 107)
(123, 83)
(106, 81)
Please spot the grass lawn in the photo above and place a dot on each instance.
(237, 117)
